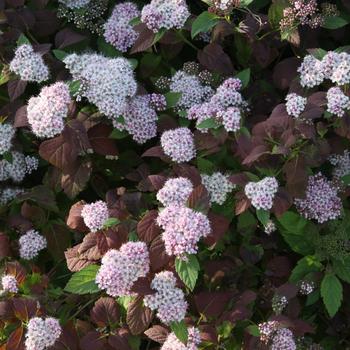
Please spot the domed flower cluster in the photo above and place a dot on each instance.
(117, 30)
(183, 228)
(306, 287)
(7, 194)
(178, 144)
(106, 82)
(121, 268)
(173, 343)
(218, 186)
(295, 104)
(175, 191)
(42, 333)
(140, 119)
(224, 106)
(29, 65)
(311, 72)
(270, 227)
(165, 14)
(283, 339)
(321, 201)
(74, 4)
(225, 6)
(7, 132)
(46, 112)
(30, 244)
(279, 303)
(337, 101)
(267, 329)
(192, 90)
(95, 215)
(18, 167)
(341, 164)
(169, 301)
(262, 193)
(9, 284)
(158, 102)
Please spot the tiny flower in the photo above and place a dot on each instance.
(306, 287)
(218, 187)
(283, 340)
(175, 191)
(95, 215)
(30, 244)
(262, 193)
(9, 284)
(74, 4)
(270, 227)
(279, 302)
(295, 104)
(341, 164)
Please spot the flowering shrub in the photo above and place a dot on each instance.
(174, 175)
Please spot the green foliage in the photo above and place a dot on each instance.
(244, 77)
(188, 270)
(305, 266)
(203, 23)
(83, 281)
(172, 98)
(332, 293)
(180, 330)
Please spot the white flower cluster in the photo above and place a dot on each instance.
(29, 65)
(295, 104)
(8, 194)
(306, 287)
(262, 193)
(74, 4)
(42, 333)
(9, 284)
(30, 244)
(270, 227)
(173, 343)
(341, 164)
(106, 82)
(165, 14)
(95, 215)
(175, 191)
(192, 91)
(7, 132)
(218, 186)
(46, 112)
(169, 301)
(18, 167)
(337, 101)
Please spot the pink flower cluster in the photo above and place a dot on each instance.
(30, 244)
(283, 339)
(306, 287)
(337, 101)
(224, 106)
(117, 30)
(173, 343)
(140, 119)
(29, 65)
(42, 333)
(74, 4)
(169, 301)
(95, 215)
(218, 187)
(262, 193)
(7, 132)
(9, 284)
(108, 83)
(183, 228)
(178, 144)
(158, 102)
(311, 72)
(341, 164)
(321, 201)
(295, 104)
(7, 194)
(46, 112)
(121, 268)
(165, 14)
(175, 191)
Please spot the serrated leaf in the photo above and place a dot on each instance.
(107, 49)
(172, 98)
(335, 22)
(23, 40)
(135, 21)
(342, 269)
(188, 270)
(346, 179)
(293, 222)
(60, 54)
(253, 330)
(263, 216)
(332, 293)
(83, 281)
(244, 77)
(111, 222)
(203, 23)
(304, 266)
(209, 123)
(180, 330)
(74, 87)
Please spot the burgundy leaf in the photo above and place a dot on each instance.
(92, 341)
(105, 312)
(157, 333)
(5, 250)
(219, 225)
(75, 261)
(215, 59)
(157, 253)
(21, 117)
(255, 154)
(156, 151)
(16, 88)
(157, 181)
(16, 339)
(138, 317)
(25, 308)
(67, 37)
(142, 286)
(147, 228)
(285, 71)
(74, 220)
(144, 40)
(100, 141)
(199, 199)
(119, 341)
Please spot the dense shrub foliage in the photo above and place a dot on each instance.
(174, 174)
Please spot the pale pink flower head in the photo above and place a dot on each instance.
(95, 215)
(283, 340)
(173, 343)
(337, 101)
(262, 193)
(121, 268)
(311, 72)
(30, 244)
(7, 132)
(175, 191)
(295, 104)
(9, 284)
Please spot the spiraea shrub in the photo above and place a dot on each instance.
(174, 175)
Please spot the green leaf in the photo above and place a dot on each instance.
(341, 49)
(188, 270)
(312, 298)
(135, 21)
(8, 156)
(60, 54)
(346, 179)
(83, 281)
(335, 22)
(180, 330)
(332, 293)
(205, 165)
(107, 49)
(172, 98)
(304, 266)
(245, 3)
(244, 77)
(293, 222)
(209, 123)
(318, 53)
(263, 216)
(203, 23)
(275, 13)
(74, 87)
(111, 222)
(133, 237)
(118, 135)
(23, 40)
(342, 269)
(133, 62)
(159, 35)
(253, 330)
